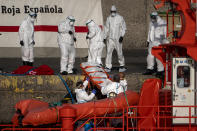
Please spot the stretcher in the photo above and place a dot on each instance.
(96, 74)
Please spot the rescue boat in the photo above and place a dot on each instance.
(166, 105)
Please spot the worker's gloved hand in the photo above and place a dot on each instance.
(33, 43)
(104, 40)
(21, 43)
(74, 39)
(87, 78)
(87, 37)
(147, 44)
(70, 32)
(94, 91)
(121, 39)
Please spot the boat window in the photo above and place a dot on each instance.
(183, 76)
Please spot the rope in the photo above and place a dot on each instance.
(115, 105)
(126, 99)
(129, 107)
(68, 89)
(108, 110)
(105, 114)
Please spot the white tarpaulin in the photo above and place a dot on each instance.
(50, 14)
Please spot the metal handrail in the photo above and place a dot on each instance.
(130, 115)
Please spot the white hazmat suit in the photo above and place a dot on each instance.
(112, 87)
(156, 36)
(115, 29)
(66, 39)
(82, 96)
(26, 36)
(95, 36)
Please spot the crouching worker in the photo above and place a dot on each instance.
(81, 94)
(113, 88)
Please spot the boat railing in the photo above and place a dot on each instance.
(133, 118)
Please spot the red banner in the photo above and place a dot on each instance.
(48, 28)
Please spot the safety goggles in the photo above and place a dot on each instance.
(113, 11)
(33, 16)
(71, 20)
(154, 17)
(88, 23)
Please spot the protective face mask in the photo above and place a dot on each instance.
(32, 19)
(154, 20)
(113, 14)
(72, 23)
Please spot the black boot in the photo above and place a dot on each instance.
(148, 72)
(160, 74)
(122, 69)
(86, 57)
(64, 73)
(25, 62)
(30, 63)
(75, 71)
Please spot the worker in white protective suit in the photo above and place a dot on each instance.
(115, 29)
(113, 88)
(81, 94)
(26, 36)
(95, 36)
(66, 39)
(156, 36)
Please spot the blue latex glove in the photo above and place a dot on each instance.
(87, 127)
(94, 91)
(87, 78)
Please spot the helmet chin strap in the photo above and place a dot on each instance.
(88, 23)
